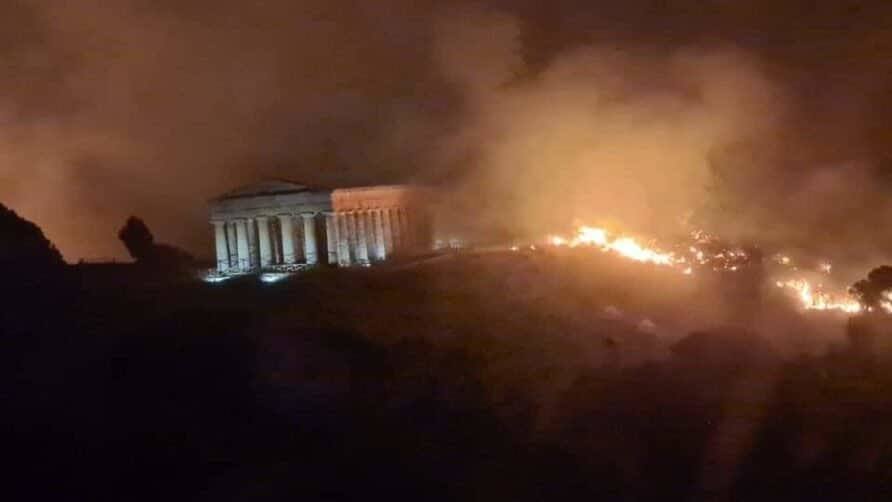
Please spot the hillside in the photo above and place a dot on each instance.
(506, 376)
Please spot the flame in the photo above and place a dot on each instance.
(813, 298)
(710, 252)
(591, 236)
(782, 259)
(556, 240)
(886, 302)
(623, 246)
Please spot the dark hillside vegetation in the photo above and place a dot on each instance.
(22, 243)
(493, 377)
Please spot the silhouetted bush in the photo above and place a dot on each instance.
(870, 291)
(22, 243)
(137, 239)
(140, 243)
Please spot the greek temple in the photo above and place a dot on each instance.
(283, 226)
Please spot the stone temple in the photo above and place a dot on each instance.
(283, 226)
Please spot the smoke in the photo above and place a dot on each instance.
(647, 137)
(152, 108)
(603, 134)
(634, 113)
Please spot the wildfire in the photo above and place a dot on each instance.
(708, 251)
(782, 259)
(624, 246)
(886, 301)
(814, 298)
(555, 240)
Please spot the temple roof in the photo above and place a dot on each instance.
(268, 187)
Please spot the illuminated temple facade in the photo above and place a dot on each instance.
(285, 226)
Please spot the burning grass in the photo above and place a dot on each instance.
(705, 252)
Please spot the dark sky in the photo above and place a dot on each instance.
(532, 113)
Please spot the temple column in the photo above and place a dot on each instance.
(241, 230)
(263, 237)
(232, 241)
(370, 239)
(343, 239)
(222, 248)
(331, 238)
(276, 243)
(253, 258)
(396, 229)
(384, 214)
(309, 238)
(362, 250)
(288, 255)
(380, 246)
(351, 237)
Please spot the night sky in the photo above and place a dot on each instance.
(764, 120)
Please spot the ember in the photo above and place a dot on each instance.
(711, 253)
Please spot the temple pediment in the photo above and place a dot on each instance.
(266, 187)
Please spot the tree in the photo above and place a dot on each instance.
(137, 239)
(140, 243)
(869, 292)
(23, 243)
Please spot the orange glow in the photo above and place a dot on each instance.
(623, 246)
(816, 299)
(722, 259)
(556, 240)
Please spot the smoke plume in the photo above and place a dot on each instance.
(761, 122)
